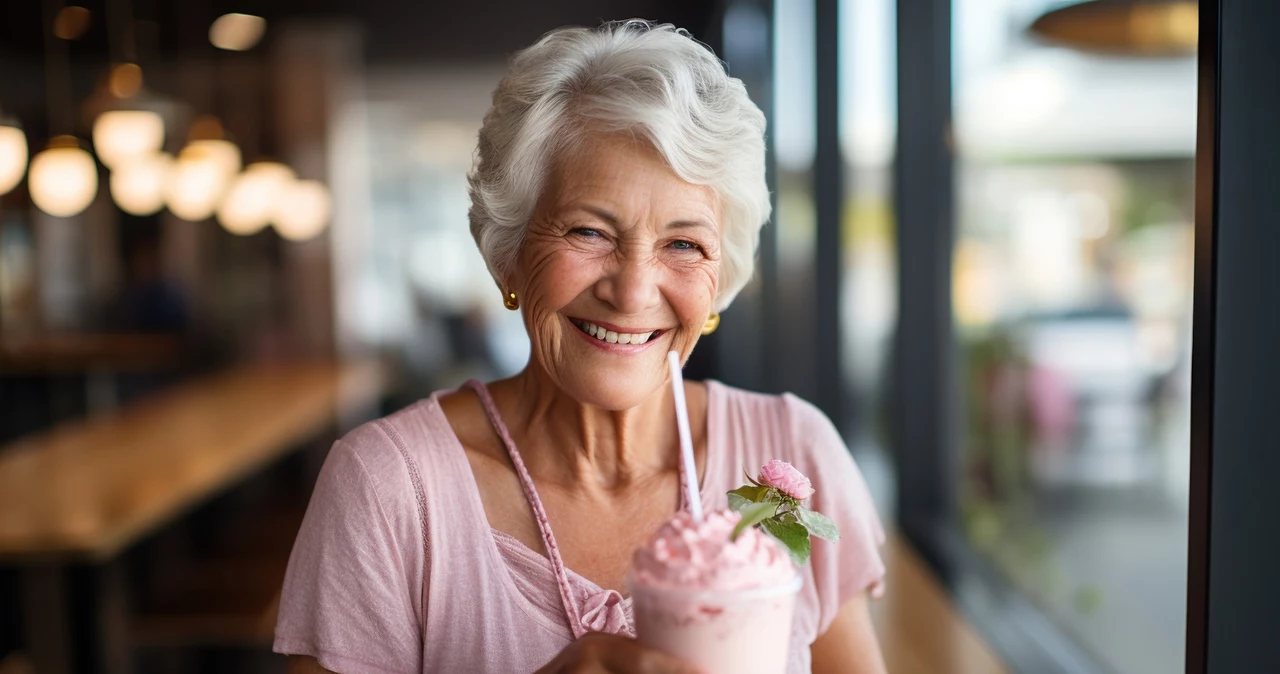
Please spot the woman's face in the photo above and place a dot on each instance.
(618, 246)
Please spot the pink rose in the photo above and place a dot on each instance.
(785, 478)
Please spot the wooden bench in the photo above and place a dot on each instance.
(920, 630)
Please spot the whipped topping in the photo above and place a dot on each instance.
(699, 556)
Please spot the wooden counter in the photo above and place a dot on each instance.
(85, 491)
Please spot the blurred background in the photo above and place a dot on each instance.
(231, 230)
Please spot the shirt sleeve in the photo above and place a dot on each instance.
(851, 566)
(352, 596)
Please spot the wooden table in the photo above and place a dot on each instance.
(84, 492)
(920, 630)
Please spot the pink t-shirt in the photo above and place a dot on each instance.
(396, 569)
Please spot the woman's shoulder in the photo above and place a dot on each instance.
(407, 449)
(411, 426)
(783, 416)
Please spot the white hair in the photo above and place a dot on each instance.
(653, 80)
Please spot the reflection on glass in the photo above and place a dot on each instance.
(1072, 296)
(869, 293)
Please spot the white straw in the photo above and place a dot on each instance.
(686, 442)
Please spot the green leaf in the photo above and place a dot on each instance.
(793, 536)
(753, 494)
(818, 524)
(752, 480)
(752, 515)
(737, 503)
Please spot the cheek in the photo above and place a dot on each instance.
(692, 294)
(553, 277)
(699, 286)
(559, 277)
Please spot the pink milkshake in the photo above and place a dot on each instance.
(724, 605)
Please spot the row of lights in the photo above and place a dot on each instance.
(204, 180)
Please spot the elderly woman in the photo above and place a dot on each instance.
(617, 196)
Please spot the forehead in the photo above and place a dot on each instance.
(626, 172)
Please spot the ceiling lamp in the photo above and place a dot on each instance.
(207, 134)
(138, 185)
(121, 134)
(13, 155)
(237, 32)
(250, 202)
(302, 210)
(71, 22)
(64, 178)
(204, 170)
(1125, 27)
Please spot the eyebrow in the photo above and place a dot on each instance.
(612, 219)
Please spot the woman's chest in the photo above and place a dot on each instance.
(596, 537)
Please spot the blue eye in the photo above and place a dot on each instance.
(586, 231)
(685, 245)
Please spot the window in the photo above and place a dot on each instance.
(1072, 300)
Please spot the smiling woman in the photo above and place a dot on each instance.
(617, 198)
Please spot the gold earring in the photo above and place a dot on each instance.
(510, 301)
(713, 322)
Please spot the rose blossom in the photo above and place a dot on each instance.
(785, 478)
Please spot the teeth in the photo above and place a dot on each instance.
(614, 337)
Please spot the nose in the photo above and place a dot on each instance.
(632, 286)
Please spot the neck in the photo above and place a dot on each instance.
(575, 445)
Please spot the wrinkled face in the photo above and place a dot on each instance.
(619, 266)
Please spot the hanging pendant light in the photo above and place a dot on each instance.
(204, 170)
(200, 178)
(250, 202)
(138, 184)
(128, 128)
(302, 210)
(1123, 27)
(13, 154)
(237, 32)
(64, 178)
(119, 135)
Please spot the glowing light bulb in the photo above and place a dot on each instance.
(64, 178)
(13, 156)
(249, 204)
(120, 134)
(138, 185)
(302, 210)
(200, 178)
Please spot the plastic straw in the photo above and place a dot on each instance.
(686, 441)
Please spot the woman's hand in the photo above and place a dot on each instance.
(600, 653)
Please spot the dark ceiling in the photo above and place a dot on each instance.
(396, 30)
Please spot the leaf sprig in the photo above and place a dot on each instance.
(781, 516)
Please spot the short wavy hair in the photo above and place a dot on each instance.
(655, 81)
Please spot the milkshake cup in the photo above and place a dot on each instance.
(723, 605)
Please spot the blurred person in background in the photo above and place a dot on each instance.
(617, 197)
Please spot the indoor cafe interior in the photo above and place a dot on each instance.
(233, 231)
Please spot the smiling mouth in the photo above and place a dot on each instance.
(593, 330)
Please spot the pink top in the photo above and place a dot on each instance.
(396, 569)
